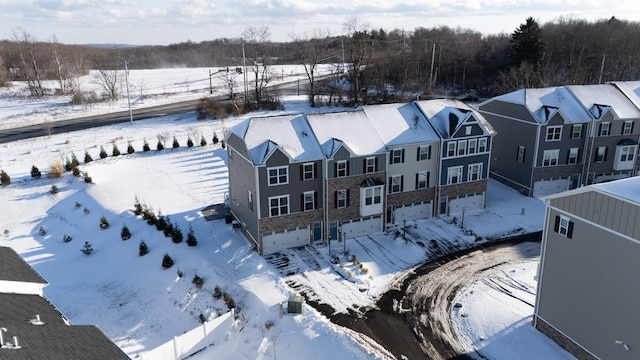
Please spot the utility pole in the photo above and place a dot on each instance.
(244, 75)
(210, 85)
(433, 57)
(601, 68)
(126, 80)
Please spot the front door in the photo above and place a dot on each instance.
(317, 230)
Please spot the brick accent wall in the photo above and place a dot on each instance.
(351, 183)
(290, 221)
(465, 188)
(563, 341)
(410, 197)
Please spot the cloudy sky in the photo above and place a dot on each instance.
(161, 22)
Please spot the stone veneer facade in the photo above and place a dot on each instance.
(566, 343)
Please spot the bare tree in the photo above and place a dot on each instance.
(230, 85)
(360, 53)
(258, 38)
(60, 67)
(107, 76)
(28, 50)
(309, 51)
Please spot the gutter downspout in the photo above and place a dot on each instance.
(535, 160)
(545, 231)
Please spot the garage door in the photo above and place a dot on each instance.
(288, 239)
(550, 187)
(362, 227)
(472, 202)
(412, 212)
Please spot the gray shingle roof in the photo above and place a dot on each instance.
(14, 268)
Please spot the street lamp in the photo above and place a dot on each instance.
(126, 80)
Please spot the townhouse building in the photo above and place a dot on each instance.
(354, 171)
(554, 139)
(588, 269)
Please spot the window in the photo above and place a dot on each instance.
(564, 226)
(372, 195)
(250, 200)
(424, 152)
(554, 133)
(467, 130)
(550, 157)
(395, 184)
(279, 205)
(370, 165)
(627, 153)
(627, 128)
(278, 175)
(576, 131)
(475, 172)
(422, 180)
(520, 155)
(482, 145)
(601, 154)
(342, 198)
(473, 144)
(573, 156)
(341, 168)
(451, 148)
(462, 147)
(308, 172)
(454, 175)
(604, 129)
(397, 156)
(309, 201)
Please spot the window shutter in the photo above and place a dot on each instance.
(376, 165)
(605, 153)
(401, 182)
(315, 170)
(335, 169)
(402, 157)
(556, 227)
(315, 199)
(348, 197)
(429, 152)
(335, 199)
(417, 179)
(390, 183)
(427, 183)
(302, 202)
(570, 230)
(418, 154)
(348, 168)
(301, 172)
(364, 165)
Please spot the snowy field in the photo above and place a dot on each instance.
(140, 305)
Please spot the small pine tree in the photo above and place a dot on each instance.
(203, 141)
(145, 146)
(167, 261)
(161, 224)
(223, 145)
(130, 149)
(176, 144)
(66, 238)
(87, 157)
(103, 153)
(88, 179)
(76, 172)
(137, 206)
(228, 300)
(197, 281)
(191, 237)
(176, 236)
(215, 138)
(159, 146)
(87, 249)
(74, 161)
(42, 231)
(104, 223)
(116, 151)
(217, 292)
(125, 234)
(143, 249)
(189, 142)
(54, 190)
(168, 231)
(35, 172)
(5, 179)
(67, 165)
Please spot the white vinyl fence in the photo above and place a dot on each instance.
(210, 332)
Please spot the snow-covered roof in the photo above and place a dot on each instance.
(290, 133)
(400, 124)
(627, 189)
(440, 111)
(631, 89)
(543, 103)
(598, 98)
(353, 128)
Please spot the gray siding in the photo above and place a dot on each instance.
(241, 181)
(514, 111)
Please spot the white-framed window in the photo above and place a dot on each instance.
(601, 154)
(454, 175)
(395, 184)
(554, 133)
(278, 175)
(627, 128)
(373, 195)
(397, 156)
(451, 148)
(342, 198)
(550, 157)
(627, 153)
(308, 200)
(467, 130)
(475, 172)
(370, 165)
(573, 156)
(308, 171)
(520, 155)
(424, 152)
(576, 131)
(279, 205)
(341, 168)
(250, 200)
(472, 146)
(482, 145)
(422, 180)
(605, 129)
(462, 147)
(563, 226)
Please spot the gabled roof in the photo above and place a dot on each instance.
(543, 103)
(601, 98)
(289, 133)
(448, 115)
(14, 268)
(626, 189)
(631, 89)
(353, 128)
(399, 124)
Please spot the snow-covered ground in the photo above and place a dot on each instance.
(140, 305)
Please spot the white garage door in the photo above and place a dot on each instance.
(412, 212)
(280, 241)
(362, 228)
(550, 187)
(467, 203)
